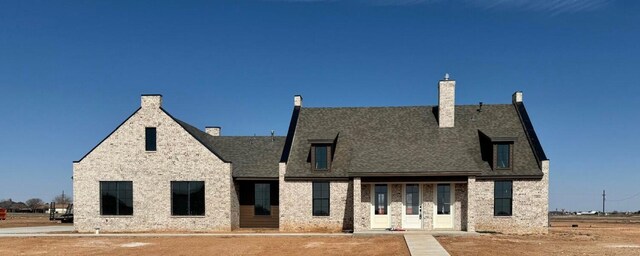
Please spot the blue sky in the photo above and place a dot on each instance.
(71, 71)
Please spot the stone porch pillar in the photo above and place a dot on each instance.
(357, 201)
(471, 203)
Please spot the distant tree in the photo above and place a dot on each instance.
(62, 199)
(34, 203)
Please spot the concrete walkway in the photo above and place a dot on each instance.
(424, 245)
(35, 230)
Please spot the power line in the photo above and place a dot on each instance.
(627, 198)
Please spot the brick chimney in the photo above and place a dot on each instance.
(446, 102)
(297, 101)
(213, 130)
(517, 97)
(151, 101)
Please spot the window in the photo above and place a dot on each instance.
(321, 157)
(150, 138)
(444, 199)
(320, 198)
(187, 198)
(502, 198)
(262, 204)
(503, 156)
(412, 199)
(116, 198)
(381, 199)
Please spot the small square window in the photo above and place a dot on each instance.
(150, 138)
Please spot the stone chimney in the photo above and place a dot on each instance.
(446, 102)
(151, 101)
(213, 130)
(517, 97)
(297, 101)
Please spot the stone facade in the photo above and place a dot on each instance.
(296, 205)
(179, 157)
(446, 103)
(529, 208)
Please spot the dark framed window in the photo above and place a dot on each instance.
(444, 199)
(503, 155)
(321, 157)
(502, 197)
(116, 198)
(380, 194)
(321, 199)
(150, 138)
(262, 204)
(187, 198)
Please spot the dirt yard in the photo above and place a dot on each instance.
(376, 245)
(593, 236)
(27, 220)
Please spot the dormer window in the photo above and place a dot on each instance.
(321, 157)
(503, 155)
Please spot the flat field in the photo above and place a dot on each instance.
(15, 220)
(593, 236)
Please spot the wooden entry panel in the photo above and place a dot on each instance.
(249, 220)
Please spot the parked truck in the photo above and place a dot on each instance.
(67, 217)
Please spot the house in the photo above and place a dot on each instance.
(444, 167)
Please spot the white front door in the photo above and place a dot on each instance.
(380, 209)
(443, 212)
(411, 210)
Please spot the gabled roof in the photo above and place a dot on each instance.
(251, 156)
(197, 134)
(397, 141)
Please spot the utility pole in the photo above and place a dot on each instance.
(603, 200)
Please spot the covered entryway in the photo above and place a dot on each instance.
(380, 217)
(412, 209)
(443, 212)
(259, 204)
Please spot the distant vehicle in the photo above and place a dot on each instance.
(3, 214)
(587, 213)
(67, 217)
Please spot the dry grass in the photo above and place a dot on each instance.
(593, 236)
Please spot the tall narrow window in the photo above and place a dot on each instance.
(187, 198)
(263, 199)
(381, 199)
(503, 195)
(321, 157)
(444, 199)
(412, 199)
(503, 157)
(321, 198)
(116, 198)
(150, 138)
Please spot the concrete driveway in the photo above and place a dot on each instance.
(36, 230)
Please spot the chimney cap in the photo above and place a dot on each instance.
(446, 76)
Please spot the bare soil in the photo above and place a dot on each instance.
(15, 220)
(356, 245)
(593, 236)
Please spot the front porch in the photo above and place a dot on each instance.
(412, 204)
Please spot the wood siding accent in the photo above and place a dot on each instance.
(249, 220)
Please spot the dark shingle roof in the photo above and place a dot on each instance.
(407, 141)
(251, 156)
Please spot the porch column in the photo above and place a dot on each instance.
(357, 200)
(471, 203)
